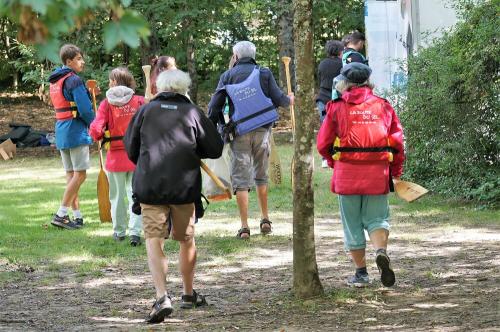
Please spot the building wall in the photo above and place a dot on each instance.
(397, 28)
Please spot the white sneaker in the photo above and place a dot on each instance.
(324, 164)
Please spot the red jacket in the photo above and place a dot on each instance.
(361, 173)
(108, 118)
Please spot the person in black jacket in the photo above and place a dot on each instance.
(166, 140)
(328, 69)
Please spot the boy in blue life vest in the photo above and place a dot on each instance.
(73, 112)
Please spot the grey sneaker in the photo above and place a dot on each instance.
(359, 281)
(387, 275)
(78, 222)
(63, 222)
(161, 309)
(118, 238)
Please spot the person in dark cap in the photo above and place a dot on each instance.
(361, 138)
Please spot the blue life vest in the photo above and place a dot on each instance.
(252, 109)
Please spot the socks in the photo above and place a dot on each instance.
(77, 214)
(63, 211)
(361, 271)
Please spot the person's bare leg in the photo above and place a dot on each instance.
(242, 201)
(75, 204)
(187, 261)
(158, 264)
(358, 257)
(71, 193)
(262, 196)
(379, 238)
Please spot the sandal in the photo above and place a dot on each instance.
(193, 301)
(266, 230)
(243, 230)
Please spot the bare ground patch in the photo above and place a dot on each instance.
(447, 280)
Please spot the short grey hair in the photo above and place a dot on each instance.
(344, 85)
(244, 49)
(173, 80)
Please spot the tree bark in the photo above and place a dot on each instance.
(285, 40)
(306, 281)
(191, 66)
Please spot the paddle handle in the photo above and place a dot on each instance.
(286, 61)
(147, 74)
(92, 84)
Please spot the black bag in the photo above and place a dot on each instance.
(17, 133)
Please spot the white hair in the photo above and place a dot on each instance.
(173, 80)
(344, 85)
(244, 49)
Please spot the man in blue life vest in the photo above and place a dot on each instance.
(253, 97)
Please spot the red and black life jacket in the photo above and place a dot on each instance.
(65, 109)
(119, 119)
(366, 138)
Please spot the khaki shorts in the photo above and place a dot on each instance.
(76, 159)
(155, 221)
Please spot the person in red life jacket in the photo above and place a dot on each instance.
(362, 140)
(160, 64)
(73, 113)
(110, 124)
(253, 98)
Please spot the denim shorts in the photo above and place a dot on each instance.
(250, 159)
(321, 110)
(76, 159)
(360, 213)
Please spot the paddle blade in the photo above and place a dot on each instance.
(274, 163)
(103, 197)
(409, 191)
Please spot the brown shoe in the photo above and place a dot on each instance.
(265, 230)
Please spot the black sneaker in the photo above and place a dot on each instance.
(118, 238)
(161, 309)
(387, 275)
(78, 222)
(135, 240)
(193, 301)
(63, 222)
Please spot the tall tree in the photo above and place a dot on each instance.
(285, 39)
(306, 281)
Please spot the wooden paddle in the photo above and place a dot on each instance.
(147, 74)
(286, 60)
(102, 179)
(274, 162)
(409, 191)
(226, 192)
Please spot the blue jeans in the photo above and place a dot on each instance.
(321, 110)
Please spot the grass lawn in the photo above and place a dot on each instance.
(31, 189)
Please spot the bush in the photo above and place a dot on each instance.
(451, 113)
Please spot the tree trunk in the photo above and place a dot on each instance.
(306, 281)
(126, 55)
(285, 40)
(191, 66)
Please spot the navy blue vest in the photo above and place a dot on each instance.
(252, 109)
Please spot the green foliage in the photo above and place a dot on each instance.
(43, 22)
(451, 118)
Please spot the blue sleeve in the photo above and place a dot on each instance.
(74, 90)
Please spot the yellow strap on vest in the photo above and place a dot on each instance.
(336, 144)
(107, 134)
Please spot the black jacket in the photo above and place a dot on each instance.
(166, 140)
(328, 69)
(241, 70)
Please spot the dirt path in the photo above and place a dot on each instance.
(447, 281)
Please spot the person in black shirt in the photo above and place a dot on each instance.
(328, 69)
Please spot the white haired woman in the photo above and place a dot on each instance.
(166, 140)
